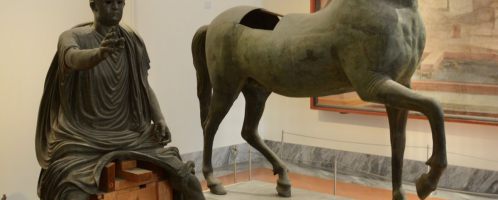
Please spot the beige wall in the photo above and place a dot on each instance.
(167, 28)
(285, 7)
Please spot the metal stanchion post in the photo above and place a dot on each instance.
(335, 175)
(282, 146)
(427, 155)
(250, 164)
(234, 150)
(235, 172)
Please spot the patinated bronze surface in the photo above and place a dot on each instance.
(371, 47)
(98, 107)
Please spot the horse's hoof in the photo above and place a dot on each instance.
(425, 186)
(284, 189)
(217, 189)
(399, 195)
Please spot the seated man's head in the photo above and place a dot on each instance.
(107, 12)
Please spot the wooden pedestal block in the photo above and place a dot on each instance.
(153, 191)
(129, 180)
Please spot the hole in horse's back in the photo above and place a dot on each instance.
(260, 19)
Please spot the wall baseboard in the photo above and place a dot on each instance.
(349, 163)
(379, 167)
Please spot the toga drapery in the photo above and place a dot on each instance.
(90, 117)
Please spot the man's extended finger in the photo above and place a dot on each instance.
(114, 36)
(111, 35)
(106, 43)
(112, 43)
(107, 49)
(108, 35)
(121, 43)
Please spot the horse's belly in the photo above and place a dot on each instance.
(308, 81)
(313, 90)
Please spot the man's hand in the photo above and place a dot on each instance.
(83, 59)
(112, 44)
(162, 132)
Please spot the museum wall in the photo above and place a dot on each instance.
(352, 130)
(167, 28)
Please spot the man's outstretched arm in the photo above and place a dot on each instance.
(79, 59)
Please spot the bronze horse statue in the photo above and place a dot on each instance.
(372, 47)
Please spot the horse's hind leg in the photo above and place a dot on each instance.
(221, 102)
(256, 97)
(397, 123)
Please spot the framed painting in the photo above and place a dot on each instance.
(459, 67)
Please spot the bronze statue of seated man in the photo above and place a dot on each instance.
(97, 107)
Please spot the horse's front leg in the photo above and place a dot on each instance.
(374, 85)
(397, 124)
(256, 97)
(396, 95)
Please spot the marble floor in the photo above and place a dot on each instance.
(382, 184)
(310, 183)
(252, 190)
(318, 181)
(353, 168)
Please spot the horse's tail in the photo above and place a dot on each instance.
(203, 83)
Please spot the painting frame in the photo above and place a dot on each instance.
(427, 85)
